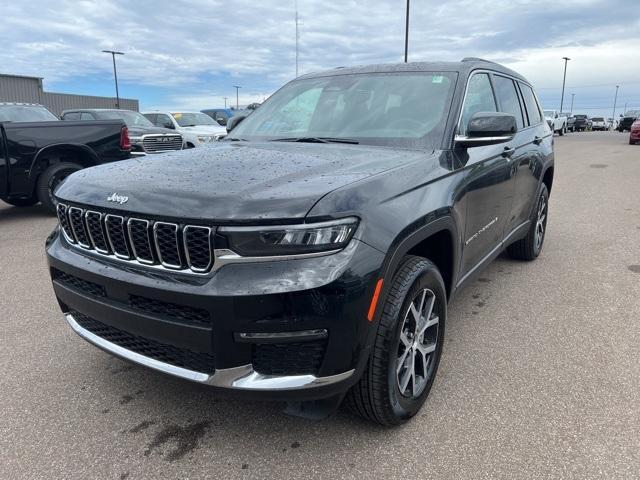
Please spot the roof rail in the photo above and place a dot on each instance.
(476, 59)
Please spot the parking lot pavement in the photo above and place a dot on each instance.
(540, 376)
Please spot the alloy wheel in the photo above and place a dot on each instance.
(541, 223)
(418, 342)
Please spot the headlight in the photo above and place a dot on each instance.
(290, 239)
(205, 139)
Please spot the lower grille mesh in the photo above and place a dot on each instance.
(78, 284)
(288, 358)
(180, 357)
(171, 310)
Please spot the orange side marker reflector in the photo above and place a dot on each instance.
(374, 300)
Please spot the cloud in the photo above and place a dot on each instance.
(194, 51)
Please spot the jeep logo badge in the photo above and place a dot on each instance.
(114, 197)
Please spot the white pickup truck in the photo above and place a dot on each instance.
(196, 128)
(557, 121)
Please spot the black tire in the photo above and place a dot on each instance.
(530, 246)
(377, 396)
(23, 202)
(50, 179)
(562, 131)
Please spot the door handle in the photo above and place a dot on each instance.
(537, 140)
(508, 152)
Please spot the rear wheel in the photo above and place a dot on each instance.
(407, 348)
(23, 202)
(50, 179)
(530, 246)
(563, 130)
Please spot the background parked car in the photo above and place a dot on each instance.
(145, 137)
(38, 151)
(557, 123)
(634, 135)
(598, 123)
(196, 128)
(582, 122)
(627, 120)
(570, 121)
(220, 115)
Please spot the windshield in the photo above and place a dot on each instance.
(25, 113)
(193, 119)
(580, 116)
(131, 119)
(399, 109)
(598, 119)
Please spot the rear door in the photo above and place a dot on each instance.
(488, 187)
(537, 141)
(523, 151)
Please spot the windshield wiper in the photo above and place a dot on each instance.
(317, 140)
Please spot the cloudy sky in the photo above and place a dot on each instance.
(189, 54)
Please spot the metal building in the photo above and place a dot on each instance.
(17, 88)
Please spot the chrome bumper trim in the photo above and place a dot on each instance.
(237, 378)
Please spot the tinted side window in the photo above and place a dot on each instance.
(163, 120)
(508, 98)
(479, 98)
(86, 116)
(71, 116)
(151, 117)
(533, 110)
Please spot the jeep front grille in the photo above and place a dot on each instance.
(161, 143)
(148, 242)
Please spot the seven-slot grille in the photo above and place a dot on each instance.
(161, 143)
(148, 242)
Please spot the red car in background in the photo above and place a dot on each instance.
(634, 136)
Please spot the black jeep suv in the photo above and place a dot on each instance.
(312, 254)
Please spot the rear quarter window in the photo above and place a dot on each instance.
(530, 102)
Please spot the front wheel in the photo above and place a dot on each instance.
(562, 131)
(50, 179)
(407, 348)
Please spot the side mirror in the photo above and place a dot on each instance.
(222, 121)
(169, 125)
(234, 121)
(556, 116)
(488, 128)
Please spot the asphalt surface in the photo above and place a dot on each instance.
(540, 376)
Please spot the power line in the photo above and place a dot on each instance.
(631, 82)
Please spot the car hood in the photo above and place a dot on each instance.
(232, 182)
(204, 130)
(138, 131)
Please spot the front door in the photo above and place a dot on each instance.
(488, 184)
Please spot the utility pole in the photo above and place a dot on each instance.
(115, 73)
(406, 36)
(225, 101)
(564, 78)
(615, 100)
(297, 39)
(573, 95)
(237, 87)
(625, 108)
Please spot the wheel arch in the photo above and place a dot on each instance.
(547, 178)
(438, 241)
(81, 154)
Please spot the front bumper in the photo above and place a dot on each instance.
(268, 303)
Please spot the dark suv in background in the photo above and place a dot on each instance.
(627, 120)
(312, 254)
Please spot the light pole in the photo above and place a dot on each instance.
(564, 78)
(237, 87)
(115, 73)
(297, 38)
(406, 36)
(615, 100)
(225, 102)
(572, 97)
